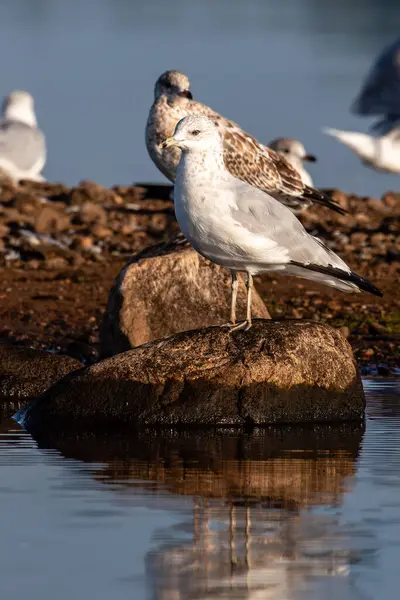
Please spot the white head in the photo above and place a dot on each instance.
(19, 106)
(173, 84)
(291, 149)
(195, 134)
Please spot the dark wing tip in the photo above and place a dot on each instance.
(350, 276)
(318, 197)
(364, 284)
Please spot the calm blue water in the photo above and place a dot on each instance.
(282, 514)
(277, 68)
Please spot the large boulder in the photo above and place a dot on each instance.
(166, 289)
(278, 372)
(25, 373)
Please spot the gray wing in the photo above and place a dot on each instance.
(380, 94)
(21, 145)
(288, 245)
(261, 214)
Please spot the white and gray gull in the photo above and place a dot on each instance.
(241, 227)
(244, 157)
(22, 144)
(379, 96)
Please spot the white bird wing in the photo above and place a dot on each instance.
(21, 145)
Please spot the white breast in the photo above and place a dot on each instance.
(203, 205)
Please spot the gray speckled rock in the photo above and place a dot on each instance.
(278, 372)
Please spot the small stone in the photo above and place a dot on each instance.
(92, 192)
(361, 218)
(25, 203)
(85, 242)
(391, 199)
(51, 220)
(359, 238)
(92, 213)
(345, 331)
(101, 231)
(377, 205)
(4, 230)
(377, 239)
(56, 262)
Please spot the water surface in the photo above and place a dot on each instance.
(286, 513)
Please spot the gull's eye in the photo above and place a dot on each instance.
(195, 132)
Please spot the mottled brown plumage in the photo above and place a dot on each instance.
(244, 157)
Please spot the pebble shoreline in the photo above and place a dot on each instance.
(61, 249)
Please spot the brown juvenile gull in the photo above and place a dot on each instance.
(295, 153)
(240, 227)
(244, 157)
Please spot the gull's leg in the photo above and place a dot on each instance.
(234, 288)
(249, 285)
(235, 285)
(247, 323)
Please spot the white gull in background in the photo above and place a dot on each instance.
(380, 94)
(295, 153)
(244, 157)
(381, 153)
(241, 227)
(22, 144)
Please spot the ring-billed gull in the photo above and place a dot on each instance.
(240, 227)
(380, 94)
(381, 153)
(22, 144)
(244, 157)
(294, 152)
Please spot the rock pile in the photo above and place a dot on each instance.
(56, 225)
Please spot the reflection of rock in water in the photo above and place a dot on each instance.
(289, 467)
(252, 534)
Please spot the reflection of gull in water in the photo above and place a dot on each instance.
(381, 153)
(244, 157)
(22, 144)
(380, 94)
(250, 552)
(294, 152)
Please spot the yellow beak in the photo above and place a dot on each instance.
(168, 142)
